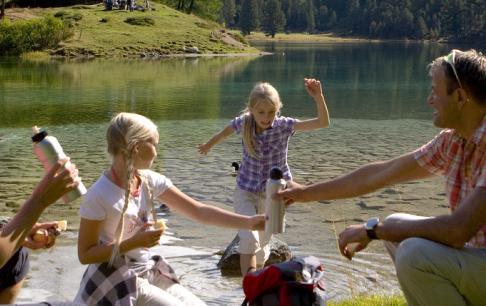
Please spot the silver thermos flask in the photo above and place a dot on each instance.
(274, 209)
(49, 151)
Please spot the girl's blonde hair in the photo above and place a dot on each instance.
(261, 93)
(124, 132)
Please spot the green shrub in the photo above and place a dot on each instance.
(76, 16)
(239, 38)
(142, 21)
(31, 35)
(66, 16)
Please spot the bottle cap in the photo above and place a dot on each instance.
(39, 134)
(276, 173)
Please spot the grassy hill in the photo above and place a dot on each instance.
(161, 31)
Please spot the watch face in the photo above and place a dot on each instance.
(372, 223)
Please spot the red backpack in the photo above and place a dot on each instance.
(297, 282)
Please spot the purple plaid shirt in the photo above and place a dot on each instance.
(272, 147)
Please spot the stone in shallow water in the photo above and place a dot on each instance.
(229, 264)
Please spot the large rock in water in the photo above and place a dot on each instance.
(229, 264)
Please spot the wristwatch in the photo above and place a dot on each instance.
(370, 227)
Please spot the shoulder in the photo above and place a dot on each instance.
(101, 187)
(437, 154)
(285, 122)
(155, 179)
(237, 122)
(97, 201)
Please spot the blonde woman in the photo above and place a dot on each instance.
(265, 136)
(116, 218)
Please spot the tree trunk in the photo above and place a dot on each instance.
(2, 10)
(191, 5)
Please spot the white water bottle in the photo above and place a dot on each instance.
(274, 209)
(49, 151)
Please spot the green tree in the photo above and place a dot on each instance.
(422, 30)
(2, 10)
(310, 17)
(273, 17)
(229, 12)
(249, 17)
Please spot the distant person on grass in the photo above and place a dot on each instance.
(16, 233)
(439, 260)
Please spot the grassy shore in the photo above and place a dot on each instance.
(372, 300)
(307, 38)
(160, 31)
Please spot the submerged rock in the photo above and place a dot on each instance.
(229, 264)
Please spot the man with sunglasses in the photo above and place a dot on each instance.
(439, 260)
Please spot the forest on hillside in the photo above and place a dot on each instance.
(452, 20)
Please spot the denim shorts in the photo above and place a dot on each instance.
(15, 269)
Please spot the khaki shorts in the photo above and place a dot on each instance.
(252, 242)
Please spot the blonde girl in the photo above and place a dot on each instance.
(116, 218)
(265, 136)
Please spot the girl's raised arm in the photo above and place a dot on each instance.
(314, 89)
(217, 138)
(208, 214)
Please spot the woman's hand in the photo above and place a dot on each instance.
(42, 235)
(56, 183)
(147, 237)
(257, 222)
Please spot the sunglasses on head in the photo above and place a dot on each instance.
(451, 60)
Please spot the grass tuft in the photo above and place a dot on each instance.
(372, 300)
(140, 21)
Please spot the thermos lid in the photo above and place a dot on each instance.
(276, 173)
(39, 134)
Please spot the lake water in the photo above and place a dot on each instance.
(376, 95)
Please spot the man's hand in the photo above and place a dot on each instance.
(294, 192)
(353, 239)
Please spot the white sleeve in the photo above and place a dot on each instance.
(160, 183)
(92, 208)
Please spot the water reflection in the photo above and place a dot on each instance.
(377, 81)
(57, 93)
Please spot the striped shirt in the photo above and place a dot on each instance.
(271, 147)
(463, 164)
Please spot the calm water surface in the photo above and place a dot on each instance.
(376, 94)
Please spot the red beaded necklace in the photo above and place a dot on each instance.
(118, 182)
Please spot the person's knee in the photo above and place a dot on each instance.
(409, 255)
